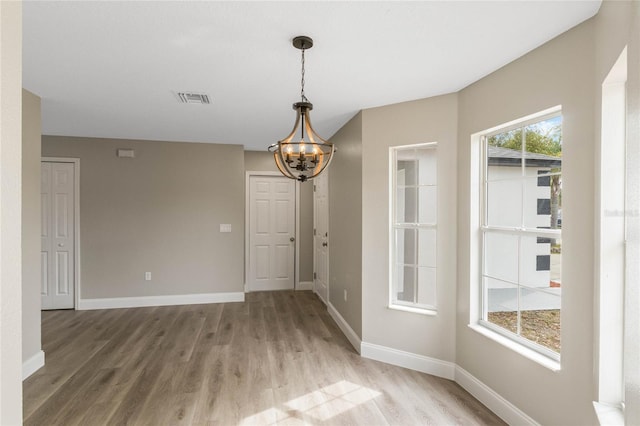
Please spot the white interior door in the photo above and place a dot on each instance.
(271, 233)
(58, 235)
(321, 236)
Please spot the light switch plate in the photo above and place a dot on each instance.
(225, 227)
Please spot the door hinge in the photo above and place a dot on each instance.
(314, 188)
(314, 232)
(315, 276)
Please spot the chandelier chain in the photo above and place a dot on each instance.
(302, 95)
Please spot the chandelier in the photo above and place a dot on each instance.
(304, 158)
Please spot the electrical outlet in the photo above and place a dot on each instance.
(345, 295)
(147, 276)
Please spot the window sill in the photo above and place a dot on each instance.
(428, 312)
(609, 415)
(534, 356)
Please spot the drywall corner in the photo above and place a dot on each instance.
(345, 224)
(31, 235)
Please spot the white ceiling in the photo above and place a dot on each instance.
(109, 68)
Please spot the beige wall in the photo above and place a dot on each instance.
(558, 73)
(427, 120)
(259, 161)
(31, 342)
(567, 71)
(562, 72)
(10, 213)
(345, 224)
(158, 212)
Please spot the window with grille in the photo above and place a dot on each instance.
(414, 194)
(521, 233)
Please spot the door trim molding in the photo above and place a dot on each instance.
(247, 205)
(76, 221)
(315, 226)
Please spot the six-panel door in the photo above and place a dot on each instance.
(58, 235)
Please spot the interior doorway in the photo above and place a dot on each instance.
(271, 231)
(59, 233)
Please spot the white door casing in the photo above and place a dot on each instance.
(321, 236)
(58, 225)
(272, 233)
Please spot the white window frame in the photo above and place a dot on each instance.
(615, 275)
(394, 225)
(521, 231)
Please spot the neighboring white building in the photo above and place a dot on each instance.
(511, 200)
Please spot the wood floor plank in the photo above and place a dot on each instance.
(276, 359)
(131, 405)
(179, 343)
(206, 338)
(185, 395)
(225, 329)
(75, 410)
(54, 407)
(210, 393)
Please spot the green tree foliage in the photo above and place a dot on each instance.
(541, 138)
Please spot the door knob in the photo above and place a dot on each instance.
(292, 239)
(60, 245)
(324, 244)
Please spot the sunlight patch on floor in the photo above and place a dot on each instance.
(321, 405)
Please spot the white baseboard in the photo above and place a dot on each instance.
(305, 285)
(138, 302)
(449, 370)
(409, 360)
(492, 400)
(345, 327)
(33, 364)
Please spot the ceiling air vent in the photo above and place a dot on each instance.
(193, 98)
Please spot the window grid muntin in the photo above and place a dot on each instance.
(526, 178)
(396, 225)
(519, 231)
(415, 266)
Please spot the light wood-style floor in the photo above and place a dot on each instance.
(277, 358)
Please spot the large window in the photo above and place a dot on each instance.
(521, 233)
(413, 227)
